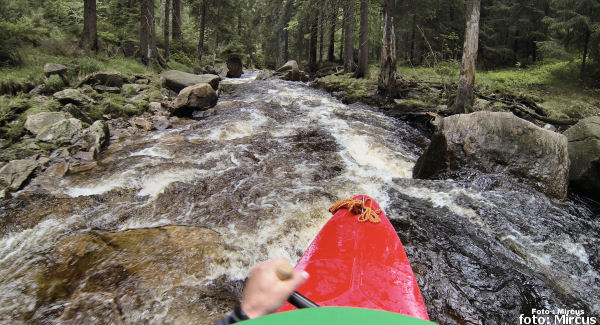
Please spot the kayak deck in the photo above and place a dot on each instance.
(360, 264)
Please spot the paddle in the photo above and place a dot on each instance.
(284, 272)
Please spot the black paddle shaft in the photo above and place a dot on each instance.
(300, 301)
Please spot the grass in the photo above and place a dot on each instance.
(553, 84)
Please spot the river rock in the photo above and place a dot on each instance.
(234, 67)
(92, 138)
(54, 68)
(141, 123)
(289, 71)
(14, 174)
(106, 78)
(61, 132)
(139, 265)
(91, 308)
(73, 96)
(77, 113)
(193, 98)
(498, 143)
(37, 123)
(584, 152)
(106, 89)
(177, 80)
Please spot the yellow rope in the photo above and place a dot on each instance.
(356, 206)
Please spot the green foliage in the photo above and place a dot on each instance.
(12, 37)
(87, 65)
(54, 83)
(182, 58)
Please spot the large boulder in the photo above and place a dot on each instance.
(194, 98)
(106, 78)
(177, 80)
(289, 71)
(61, 132)
(36, 123)
(234, 67)
(499, 143)
(73, 96)
(54, 69)
(14, 174)
(584, 151)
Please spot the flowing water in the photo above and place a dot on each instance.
(262, 173)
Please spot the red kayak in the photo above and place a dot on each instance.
(357, 260)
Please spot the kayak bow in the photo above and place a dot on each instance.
(357, 260)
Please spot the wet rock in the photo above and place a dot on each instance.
(91, 308)
(81, 166)
(178, 80)
(93, 138)
(204, 114)
(73, 96)
(265, 74)
(194, 98)
(141, 123)
(85, 155)
(234, 67)
(37, 123)
(58, 170)
(88, 270)
(61, 132)
(106, 89)
(289, 71)
(161, 123)
(498, 143)
(54, 68)
(14, 174)
(584, 152)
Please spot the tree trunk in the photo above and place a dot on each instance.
(202, 31)
(89, 39)
(166, 34)
(349, 37)
(216, 44)
(312, 53)
(585, 53)
(412, 40)
(466, 81)
(286, 46)
(321, 33)
(147, 33)
(363, 41)
(334, 17)
(342, 45)
(177, 8)
(387, 71)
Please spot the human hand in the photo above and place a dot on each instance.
(265, 293)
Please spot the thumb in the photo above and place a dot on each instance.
(298, 278)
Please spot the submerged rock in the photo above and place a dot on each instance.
(499, 143)
(194, 98)
(584, 152)
(177, 80)
(89, 270)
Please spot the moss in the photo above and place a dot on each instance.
(155, 95)
(141, 106)
(354, 89)
(128, 90)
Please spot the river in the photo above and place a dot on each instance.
(262, 173)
